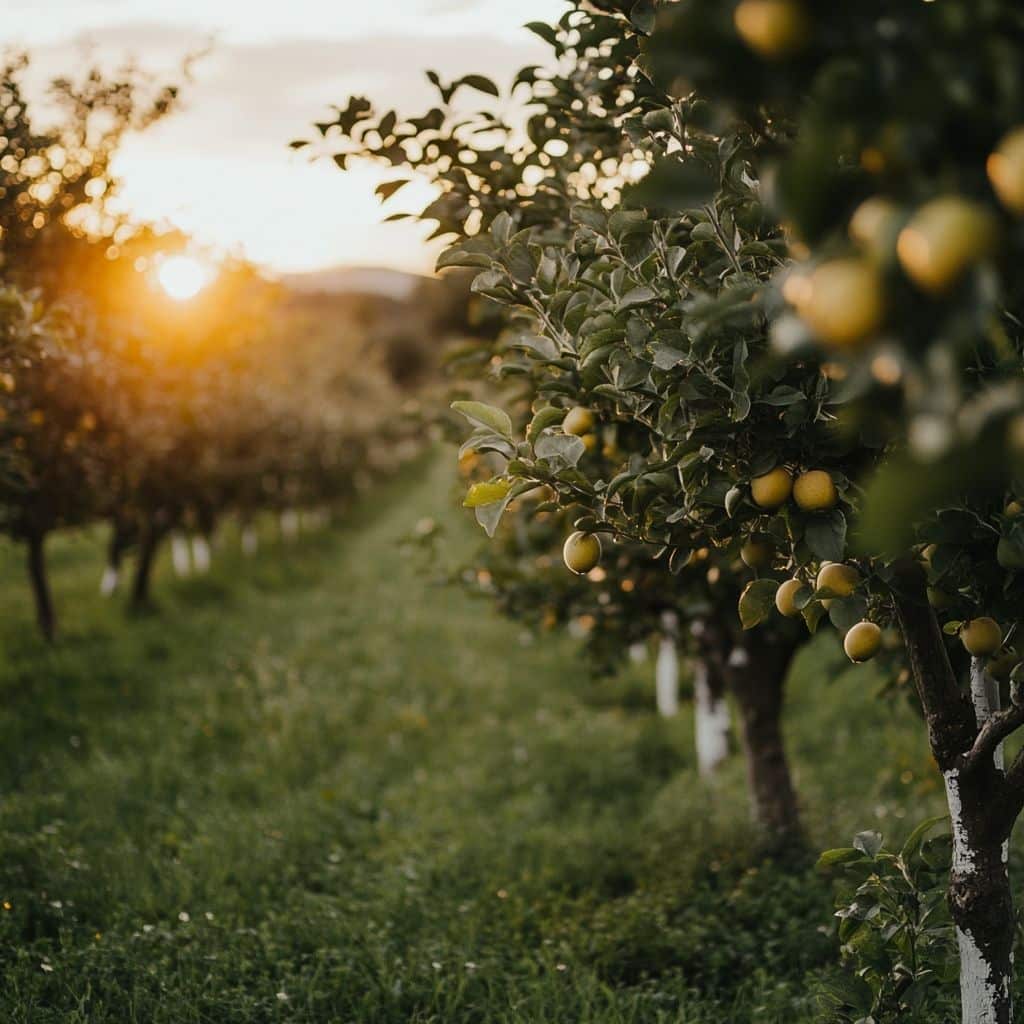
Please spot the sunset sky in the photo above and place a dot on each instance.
(220, 168)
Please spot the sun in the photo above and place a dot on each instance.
(182, 277)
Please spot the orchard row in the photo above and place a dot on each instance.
(119, 404)
(760, 264)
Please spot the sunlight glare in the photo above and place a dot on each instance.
(182, 277)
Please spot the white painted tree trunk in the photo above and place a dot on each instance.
(982, 990)
(666, 668)
(711, 722)
(109, 582)
(289, 524)
(201, 554)
(250, 541)
(180, 559)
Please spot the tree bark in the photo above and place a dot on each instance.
(201, 558)
(712, 722)
(666, 668)
(148, 544)
(45, 614)
(757, 672)
(980, 900)
(180, 556)
(753, 666)
(119, 541)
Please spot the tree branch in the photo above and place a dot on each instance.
(952, 727)
(993, 732)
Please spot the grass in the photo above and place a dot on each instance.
(317, 787)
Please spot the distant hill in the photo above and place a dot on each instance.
(395, 284)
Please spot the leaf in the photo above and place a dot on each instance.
(826, 536)
(485, 416)
(665, 356)
(542, 419)
(538, 344)
(674, 185)
(486, 493)
(481, 83)
(756, 602)
(501, 228)
(564, 448)
(869, 843)
(386, 189)
(834, 858)
(488, 516)
(544, 30)
(642, 16)
(812, 614)
(912, 846)
(639, 296)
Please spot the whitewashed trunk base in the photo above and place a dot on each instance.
(250, 541)
(289, 524)
(982, 988)
(666, 668)
(181, 560)
(711, 723)
(638, 653)
(109, 582)
(201, 558)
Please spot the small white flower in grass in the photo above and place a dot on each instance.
(208, 916)
(435, 965)
(470, 966)
(283, 996)
(147, 928)
(561, 967)
(183, 917)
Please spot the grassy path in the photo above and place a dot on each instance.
(318, 788)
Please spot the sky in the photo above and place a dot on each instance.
(220, 167)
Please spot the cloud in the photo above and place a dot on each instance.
(221, 167)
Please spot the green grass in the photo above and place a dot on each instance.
(317, 787)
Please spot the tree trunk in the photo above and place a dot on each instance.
(980, 901)
(180, 558)
(250, 540)
(757, 675)
(979, 889)
(666, 668)
(45, 615)
(148, 544)
(712, 724)
(201, 558)
(289, 521)
(115, 556)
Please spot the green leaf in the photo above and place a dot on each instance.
(488, 516)
(486, 493)
(834, 858)
(544, 30)
(912, 846)
(481, 83)
(485, 416)
(756, 602)
(825, 535)
(639, 296)
(869, 843)
(561, 448)
(542, 419)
